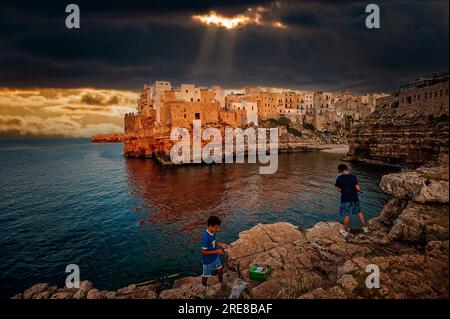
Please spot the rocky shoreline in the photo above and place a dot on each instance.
(408, 242)
(108, 138)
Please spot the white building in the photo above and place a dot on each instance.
(188, 93)
(251, 109)
(219, 95)
(151, 98)
(323, 102)
(307, 103)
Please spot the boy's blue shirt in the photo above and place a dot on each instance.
(347, 182)
(208, 243)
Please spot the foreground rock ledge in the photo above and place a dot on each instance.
(408, 242)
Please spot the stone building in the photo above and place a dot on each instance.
(369, 103)
(207, 96)
(233, 98)
(428, 95)
(348, 105)
(219, 95)
(307, 103)
(322, 109)
(267, 105)
(322, 102)
(162, 108)
(188, 93)
(291, 100)
(408, 127)
(154, 96)
(251, 111)
(150, 98)
(294, 115)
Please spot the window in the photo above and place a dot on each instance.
(408, 100)
(197, 116)
(184, 115)
(192, 99)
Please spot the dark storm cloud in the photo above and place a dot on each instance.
(125, 44)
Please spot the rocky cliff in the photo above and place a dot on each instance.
(157, 144)
(108, 138)
(142, 138)
(408, 242)
(400, 138)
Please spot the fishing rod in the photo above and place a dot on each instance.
(162, 280)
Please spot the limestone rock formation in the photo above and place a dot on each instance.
(410, 141)
(418, 186)
(108, 138)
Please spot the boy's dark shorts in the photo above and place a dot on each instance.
(349, 208)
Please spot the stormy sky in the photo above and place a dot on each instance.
(47, 70)
(123, 44)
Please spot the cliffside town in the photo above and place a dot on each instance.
(305, 120)
(408, 127)
(408, 243)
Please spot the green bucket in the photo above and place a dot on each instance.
(259, 273)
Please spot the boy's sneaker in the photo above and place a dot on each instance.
(365, 229)
(344, 232)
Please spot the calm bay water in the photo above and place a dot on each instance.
(124, 221)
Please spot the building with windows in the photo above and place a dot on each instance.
(427, 95)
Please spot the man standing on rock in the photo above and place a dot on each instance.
(210, 252)
(348, 186)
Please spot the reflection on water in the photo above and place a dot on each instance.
(302, 191)
(129, 220)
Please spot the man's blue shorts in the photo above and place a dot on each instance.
(349, 208)
(209, 268)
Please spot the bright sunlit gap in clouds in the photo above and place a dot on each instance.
(217, 48)
(251, 16)
(220, 21)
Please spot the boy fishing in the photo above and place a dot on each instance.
(211, 250)
(348, 186)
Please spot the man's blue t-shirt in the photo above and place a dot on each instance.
(208, 243)
(347, 182)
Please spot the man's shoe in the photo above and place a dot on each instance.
(344, 232)
(365, 229)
